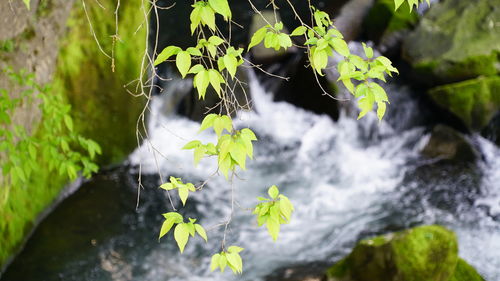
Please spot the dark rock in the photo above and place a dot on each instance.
(417, 254)
(314, 271)
(492, 130)
(446, 143)
(456, 40)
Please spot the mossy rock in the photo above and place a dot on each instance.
(465, 272)
(425, 253)
(382, 19)
(94, 82)
(474, 101)
(456, 40)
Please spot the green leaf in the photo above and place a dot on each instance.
(181, 235)
(69, 122)
(378, 92)
(194, 51)
(387, 63)
(340, 46)
(166, 226)
(247, 133)
(215, 262)
(208, 121)
(195, 18)
(273, 192)
(231, 63)
(199, 153)
(301, 30)
(257, 37)
(167, 186)
(208, 17)
(235, 249)
(183, 62)
(284, 40)
(225, 165)
(366, 105)
(191, 228)
(221, 7)
(166, 54)
(234, 259)
(201, 231)
(201, 82)
(183, 194)
(278, 26)
(238, 153)
(175, 216)
(222, 262)
(192, 144)
(381, 110)
(196, 69)
(359, 62)
(368, 51)
(320, 60)
(215, 80)
(273, 227)
(215, 40)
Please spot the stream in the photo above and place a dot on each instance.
(347, 179)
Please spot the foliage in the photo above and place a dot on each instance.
(182, 230)
(36, 160)
(274, 211)
(213, 61)
(59, 147)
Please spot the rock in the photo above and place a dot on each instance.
(474, 101)
(492, 131)
(421, 253)
(312, 271)
(465, 272)
(455, 40)
(446, 143)
(102, 108)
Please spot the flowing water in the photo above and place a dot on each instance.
(348, 180)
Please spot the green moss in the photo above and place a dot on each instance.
(21, 206)
(421, 253)
(102, 108)
(465, 272)
(425, 253)
(474, 101)
(456, 41)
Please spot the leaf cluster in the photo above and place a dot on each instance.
(183, 230)
(182, 188)
(232, 147)
(272, 36)
(52, 145)
(273, 211)
(230, 258)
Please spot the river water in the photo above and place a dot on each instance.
(347, 179)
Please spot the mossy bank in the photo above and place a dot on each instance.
(61, 50)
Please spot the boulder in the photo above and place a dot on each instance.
(455, 40)
(446, 143)
(474, 101)
(417, 254)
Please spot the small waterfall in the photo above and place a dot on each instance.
(343, 182)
